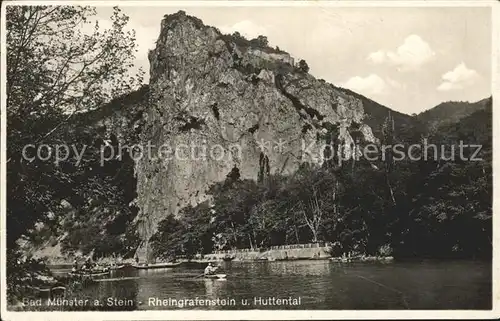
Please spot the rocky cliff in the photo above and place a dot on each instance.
(216, 104)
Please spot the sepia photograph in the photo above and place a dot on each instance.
(260, 160)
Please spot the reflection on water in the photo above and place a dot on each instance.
(318, 284)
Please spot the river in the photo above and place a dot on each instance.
(301, 285)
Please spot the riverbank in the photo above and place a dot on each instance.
(273, 254)
(309, 251)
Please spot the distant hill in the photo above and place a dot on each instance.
(377, 114)
(450, 112)
(475, 128)
(452, 120)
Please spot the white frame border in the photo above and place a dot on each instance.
(263, 314)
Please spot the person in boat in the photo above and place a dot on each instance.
(88, 264)
(210, 269)
(75, 266)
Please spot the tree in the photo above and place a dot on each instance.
(59, 64)
(167, 242)
(262, 40)
(303, 66)
(315, 191)
(259, 42)
(54, 71)
(388, 140)
(234, 200)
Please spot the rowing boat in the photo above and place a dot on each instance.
(261, 259)
(216, 276)
(156, 266)
(118, 279)
(89, 274)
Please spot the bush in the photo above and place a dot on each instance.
(303, 66)
(385, 250)
(336, 249)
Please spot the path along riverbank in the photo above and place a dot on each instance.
(309, 251)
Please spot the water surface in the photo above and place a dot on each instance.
(315, 284)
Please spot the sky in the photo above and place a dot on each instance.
(408, 59)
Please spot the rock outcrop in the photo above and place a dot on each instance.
(216, 104)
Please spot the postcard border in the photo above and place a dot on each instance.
(264, 314)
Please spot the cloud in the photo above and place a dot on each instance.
(458, 78)
(413, 53)
(371, 85)
(377, 57)
(394, 84)
(246, 28)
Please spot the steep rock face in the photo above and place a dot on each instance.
(221, 105)
(121, 118)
